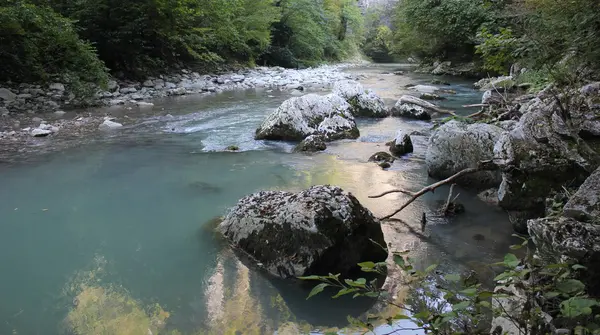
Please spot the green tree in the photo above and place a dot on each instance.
(37, 44)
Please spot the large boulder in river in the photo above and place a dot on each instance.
(364, 103)
(317, 231)
(414, 108)
(456, 146)
(538, 156)
(311, 114)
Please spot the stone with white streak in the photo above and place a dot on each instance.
(311, 114)
(316, 231)
(363, 102)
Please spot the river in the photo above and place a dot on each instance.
(98, 236)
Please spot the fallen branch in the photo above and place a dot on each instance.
(446, 207)
(476, 105)
(482, 166)
(476, 114)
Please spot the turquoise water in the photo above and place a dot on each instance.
(131, 213)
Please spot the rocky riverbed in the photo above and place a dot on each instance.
(34, 118)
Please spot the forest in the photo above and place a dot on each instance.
(86, 40)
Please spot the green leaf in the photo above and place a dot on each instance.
(366, 265)
(431, 268)
(570, 286)
(461, 306)
(483, 295)
(578, 267)
(310, 278)
(317, 289)
(576, 306)
(551, 295)
(469, 291)
(401, 317)
(516, 247)
(360, 282)
(452, 277)
(511, 260)
(504, 275)
(372, 294)
(400, 261)
(345, 291)
(485, 304)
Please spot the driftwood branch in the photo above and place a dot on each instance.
(482, 166)
(448, 201)
(476, 105)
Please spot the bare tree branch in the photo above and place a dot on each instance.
(482, 166)
(446, 207)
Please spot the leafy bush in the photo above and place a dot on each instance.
(455, 304)
(37, 44)
(497, 50)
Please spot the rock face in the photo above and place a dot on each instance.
(456, 146)
(401, 145)
(537, 156)
(7, 95)
(585, 204)
(313, 143)
(364, 103)
(307, 115)
(317, 231)
(414, 108)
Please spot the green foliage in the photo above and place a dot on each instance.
(438, 29)
(310, 32)
(37, 44)
(554, 30)
(456, 304)
(145, 37)
(497, 50)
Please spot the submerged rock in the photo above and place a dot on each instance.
(425, 88)
(401, 145)
(431, 96)
(307, 115)
(414, 108)
(456, 146)
(363, 102)
(317, 231)
(382, 157)
(312, 143)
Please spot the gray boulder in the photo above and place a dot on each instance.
(401, 145)
(584, 205)
(456, 146)
(7, 95)
(536, 157)
(563, 239)
(425, 88)
(317, 231)
(363, 102)
(312, 143)
(411, 107)
(311, 114)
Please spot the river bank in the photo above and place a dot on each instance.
(36, 119)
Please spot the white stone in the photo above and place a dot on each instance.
(57, 87)
(127, 90)
(109, 125)
(144, 104)
(38, 132)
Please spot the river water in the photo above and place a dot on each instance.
(97, 237)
